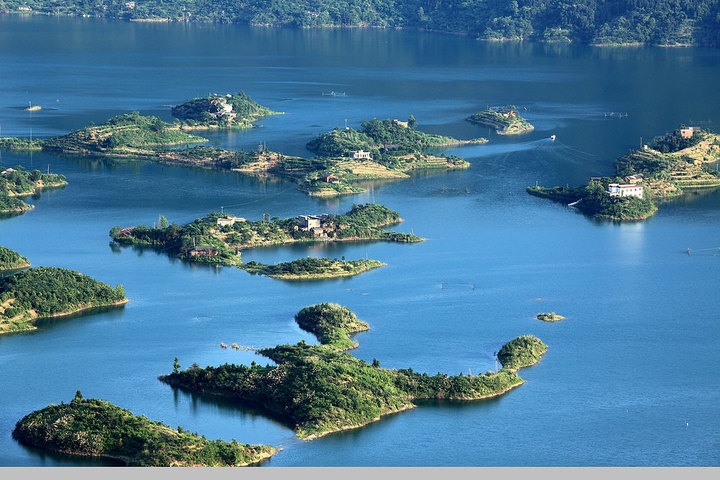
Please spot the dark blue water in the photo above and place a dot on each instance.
(631, 375)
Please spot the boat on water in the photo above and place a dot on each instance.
(552, 137)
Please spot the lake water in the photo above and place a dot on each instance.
(631, 376)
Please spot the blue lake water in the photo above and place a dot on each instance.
(630, 378)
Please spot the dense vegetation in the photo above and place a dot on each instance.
(589, 21)
(505, 120)
(319, 390)
(208, 111)
(311, 268)
(95, 428)
(674, 141)
(16, 181)
(130, 133)
(332, 324)
(382, 138)
(362, 222)
(10, 204)
(10, 259)
(521, 352)
(47, 291)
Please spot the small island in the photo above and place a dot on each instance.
(319, 389)
(675, 163)
(220, 111)
(16, 182)
(95, 428)
(505, 120)
(521, 352)
(218, 239)
(550, 317)
(11, 260)
(312, 268)
(46, 292)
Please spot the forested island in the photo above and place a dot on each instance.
(312, 268)
(218, 239)
(95, 428)
(620, 22)
(11, 260)
(671, 164)
(45, 292)
(220, 111)
(505, 120)
(16, 182)
(319, 389)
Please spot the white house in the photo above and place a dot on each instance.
(360, 155)
(617, 190)
(229, 220)
(309, 222)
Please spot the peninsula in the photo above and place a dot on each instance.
(95, 428)
(672, 164)
(220, 111)
(218, 239)
(16, 182)
(319, 389)
(46, 292)
(11, 260)
(505, 120)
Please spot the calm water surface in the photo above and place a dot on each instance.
(631, 376)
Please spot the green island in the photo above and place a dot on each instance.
(505, 120)
(218, 239)
(11, 260)
(660, 22)
(95, 428)
(669, 166)
(381, 150)
(220, 111)
(46, 292)
(320, 389)
(550, 317)
(312, 268)
(521, 352)
(16, 182)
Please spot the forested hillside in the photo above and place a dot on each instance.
(658, 22)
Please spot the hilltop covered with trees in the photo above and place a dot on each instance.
(45, 292)
(311, 268)
(10, 259)
(318, 389)
(16, 182)
(658, 22)
(221, 111)
(95, 428)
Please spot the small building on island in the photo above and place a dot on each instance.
(229, 220)
(688, 132)
(204, 251)
(317, 224)
(332, 178)
(629, 190)
(360, 155)
(634, 179)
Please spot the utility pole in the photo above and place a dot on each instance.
(222, 210)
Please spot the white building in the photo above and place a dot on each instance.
(617, 190)
(229, 220)
(360, 155)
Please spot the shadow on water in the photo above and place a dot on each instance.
(232, 407)
(55, 459)
(113, 311)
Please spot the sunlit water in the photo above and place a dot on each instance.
(631, 375)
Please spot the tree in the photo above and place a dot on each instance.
(412, 123)
(163, 223)
(176, 365)
(78, 396)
